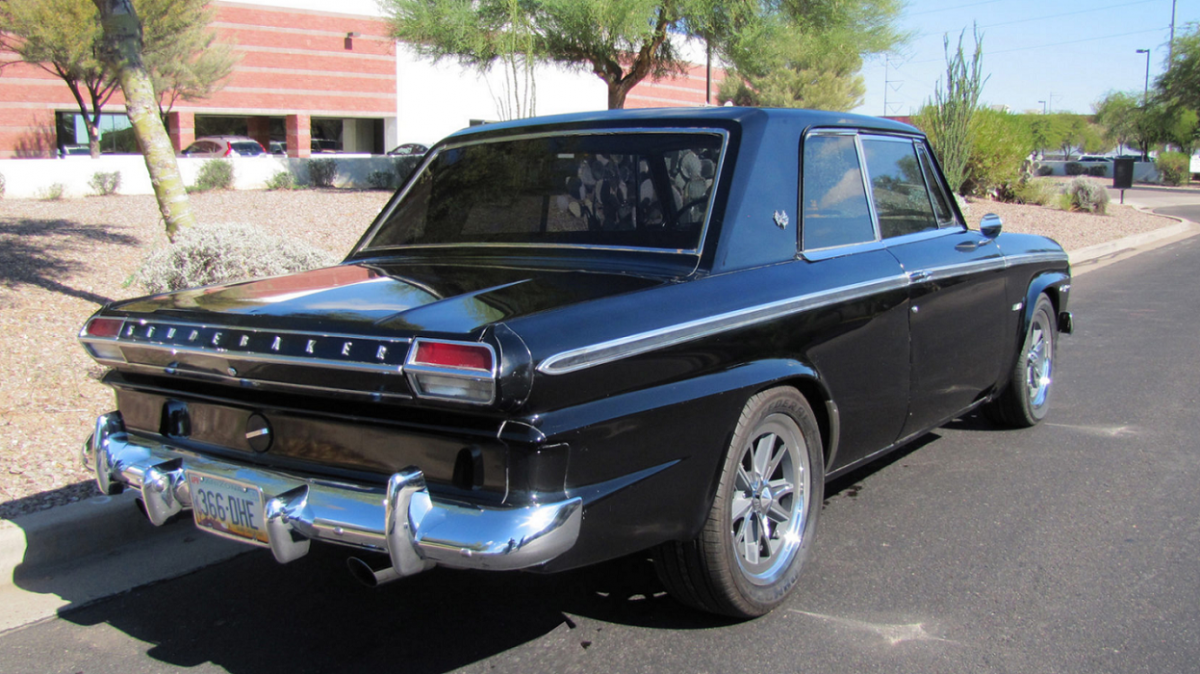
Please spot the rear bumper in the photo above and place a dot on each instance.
(403, 521)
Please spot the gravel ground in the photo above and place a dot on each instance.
(61, 260)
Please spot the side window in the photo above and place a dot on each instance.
(941, 203)
(834, 202)
(898, 187)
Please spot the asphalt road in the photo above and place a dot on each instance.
(1070, 547)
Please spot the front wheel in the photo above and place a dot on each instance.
(763, 517)
(1026, 399)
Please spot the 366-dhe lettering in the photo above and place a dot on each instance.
(236, 511)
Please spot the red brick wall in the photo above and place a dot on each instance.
(685, 90)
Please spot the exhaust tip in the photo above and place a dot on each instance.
(362, 572)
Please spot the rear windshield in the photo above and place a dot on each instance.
(246, 147)
(642, 190)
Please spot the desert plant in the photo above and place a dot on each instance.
(104, 183)
(1037, 192)
(208, 254)
(322, 172)
(1174, 167)
(1074, 168)
(53, 192)
(1098, 170)
(1085, 195)
(380, 180)
(947, 118)
(215, 174)
(283, 180)
(996, 162)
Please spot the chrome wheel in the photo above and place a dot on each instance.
(1039, 361)
(769, 500)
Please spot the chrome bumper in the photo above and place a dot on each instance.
(403, 520)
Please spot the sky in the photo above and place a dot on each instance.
(1066, 53)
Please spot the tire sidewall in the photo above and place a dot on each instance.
(1045, 308)
(759, 599)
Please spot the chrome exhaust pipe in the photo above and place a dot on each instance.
(364, 574)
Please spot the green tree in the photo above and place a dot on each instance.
(1180, 83)
(1000, 142)
(1077, 133)
(121, 52)
(811, 60)
(63, 37)
(947, 119)
(622, 41)
(1118, 115)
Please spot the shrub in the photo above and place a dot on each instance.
(1037, 192)
(1043, 170)
(1174, 167)
(52, 193)
(322, 172)
(1085, 195)
(105, 184)
(380, 180)
(283, 180)
(1098, 170)
(404, 168)
(208, 254)
(1074, 168)
(215, 174)
(997, 154)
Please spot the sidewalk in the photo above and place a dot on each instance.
(75, 554)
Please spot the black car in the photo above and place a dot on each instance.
(574, 338)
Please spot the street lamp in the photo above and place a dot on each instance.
(1043, 106)
(1146, 94)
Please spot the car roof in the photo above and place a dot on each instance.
(685, 117)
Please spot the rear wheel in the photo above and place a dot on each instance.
(1027, 398)
(763, 516)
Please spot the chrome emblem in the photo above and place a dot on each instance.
(276, 344)
(346, 348)
(258, 433)
(781, 219)
(381, 353)
(309, 347)
(244, 340)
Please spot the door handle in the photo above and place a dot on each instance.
(919, 276)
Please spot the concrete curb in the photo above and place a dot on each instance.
(78, 553)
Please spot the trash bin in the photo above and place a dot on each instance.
(1123, 173)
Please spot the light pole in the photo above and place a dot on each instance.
(1043, 106)
(1146, 96)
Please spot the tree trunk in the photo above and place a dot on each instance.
(123, 52)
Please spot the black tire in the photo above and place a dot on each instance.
(745, 562)
(1026, 399)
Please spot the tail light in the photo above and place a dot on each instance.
(228, 149)
(96, 336)
(454, 371)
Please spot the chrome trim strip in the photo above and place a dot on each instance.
(624, 347)
(1034, 258)
(258, 383)
(254, 357)
(405, 520)
(599, 131)
(959, 269)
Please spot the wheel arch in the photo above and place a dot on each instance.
(1054, 285)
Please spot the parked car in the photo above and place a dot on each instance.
(324, 145)
(574, 338)
(74, 151)
(278, 147)
(408, 150)
(224, 146)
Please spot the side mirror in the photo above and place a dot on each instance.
(991, 225)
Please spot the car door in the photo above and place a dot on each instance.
(957, 293)
(859, 345)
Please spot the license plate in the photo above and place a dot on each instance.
(227, 508)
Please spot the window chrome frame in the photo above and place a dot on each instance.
(363, 246)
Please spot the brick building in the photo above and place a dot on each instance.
(315, 78)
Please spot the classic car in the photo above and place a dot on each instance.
(573, 338)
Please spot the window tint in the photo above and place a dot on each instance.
(941, 205)
(835, 210)
(630, 190)
(898, 188)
